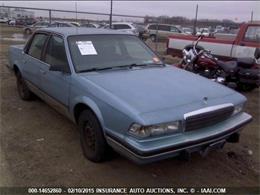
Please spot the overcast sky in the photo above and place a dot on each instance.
(235, 10)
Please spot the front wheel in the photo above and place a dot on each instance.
(246, 87)
(23, 90)
(153, 38)
(92, 140)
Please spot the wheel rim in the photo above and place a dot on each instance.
(21, 86)
(89, 136)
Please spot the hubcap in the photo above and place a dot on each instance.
(21, 87)
(89, 135)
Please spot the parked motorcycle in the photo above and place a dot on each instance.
(242, 74)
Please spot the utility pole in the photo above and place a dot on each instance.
(252, 16)
(50, 16)
(76, 8)
(195, 21)
(111, 11)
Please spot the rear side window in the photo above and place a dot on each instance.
(55, 52)
(164, 27)
(37, 45)
(252, 34)
(121, 26)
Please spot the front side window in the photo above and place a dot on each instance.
(174, 29)
(108, 51)
(252, 34)
(55, 52)
(37, 45)
(152, 27)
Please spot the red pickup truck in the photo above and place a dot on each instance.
(242, 45)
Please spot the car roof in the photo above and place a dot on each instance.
(122, 23)
(162, 24)
(68, 31)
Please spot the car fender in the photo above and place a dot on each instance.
(88, 102)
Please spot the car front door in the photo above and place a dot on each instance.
(164, 31)
(248, 44)
(55, 84)
(32, 58)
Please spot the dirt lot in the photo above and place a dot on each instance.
(39, 147)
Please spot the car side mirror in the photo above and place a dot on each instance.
(257, 53)
(60, 68)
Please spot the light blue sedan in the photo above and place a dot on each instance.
(123, 97)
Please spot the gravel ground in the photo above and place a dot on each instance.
(39, 147)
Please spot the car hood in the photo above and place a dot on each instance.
(155, 89)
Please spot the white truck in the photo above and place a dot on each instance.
(242, 45)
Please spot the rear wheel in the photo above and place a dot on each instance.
(28, 31)
(92, 140)
(245, 87)
(23, 90)
(153, 38)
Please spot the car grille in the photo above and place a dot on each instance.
(206, 117)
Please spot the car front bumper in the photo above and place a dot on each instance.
(201, 140)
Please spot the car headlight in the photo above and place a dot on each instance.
(238, 108)
(151, 130)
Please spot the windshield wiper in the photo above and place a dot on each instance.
(130, 66)
(142, 65)
(95, 69)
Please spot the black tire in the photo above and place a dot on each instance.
(92, 139)
(28, 31)
(245, 87)
(23, 90)
(153, 38)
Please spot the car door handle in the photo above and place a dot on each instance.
(242, 44)
(42, 71)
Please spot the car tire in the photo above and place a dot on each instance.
(23, 90)
(28, 31)
(93, 143)
(153, 38)
(245, 87)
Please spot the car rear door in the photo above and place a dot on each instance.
(55, 84)
(32, 58)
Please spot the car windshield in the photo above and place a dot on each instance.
(97, 52)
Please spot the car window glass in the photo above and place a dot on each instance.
(121, 26)
(41, 24)
(136, 50)
(64, 25)
(174, 29)
(37, 45)
(252, 34)
(164, 27)
(55, 52)
(110, 50)
(152, 27)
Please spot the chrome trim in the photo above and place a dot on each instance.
(54, 103)
(207, 109)
(172, 151)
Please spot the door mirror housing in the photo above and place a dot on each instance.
(60, 68)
